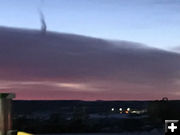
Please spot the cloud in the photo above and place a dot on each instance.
(66, 66)
(175, 49)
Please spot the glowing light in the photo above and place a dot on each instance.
(128, 109)
(23, 133)
(120, 109)
(134, 112)
(112, 109)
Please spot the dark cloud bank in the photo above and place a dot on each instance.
(121, 69)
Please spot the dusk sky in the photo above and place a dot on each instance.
(152, 22)
(93, 50)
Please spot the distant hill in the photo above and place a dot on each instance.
(58, 106)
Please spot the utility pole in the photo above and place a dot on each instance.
(5, 112)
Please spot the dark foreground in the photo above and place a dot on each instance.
(110, 117)
(153, 132)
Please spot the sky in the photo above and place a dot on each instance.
(152, 22)
(98, 50)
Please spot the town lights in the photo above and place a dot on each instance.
(127, 111)
(121, 110)
(112, 109)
